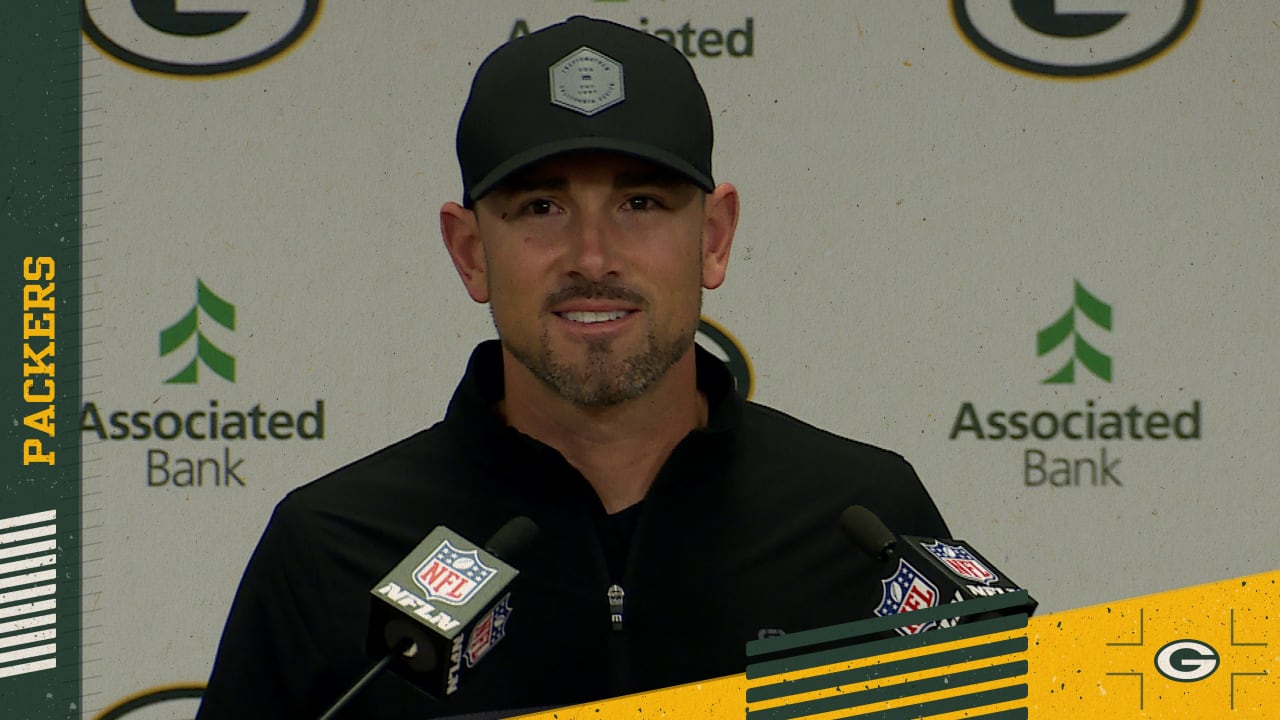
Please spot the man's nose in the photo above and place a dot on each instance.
(594, 245)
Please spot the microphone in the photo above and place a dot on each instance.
(919, 572)
(442, 608)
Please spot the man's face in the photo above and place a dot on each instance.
(593, 268)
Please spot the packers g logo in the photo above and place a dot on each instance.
(156, 35)
(167, 702)
(716, 340)
(1187, 660)
(1045, 37)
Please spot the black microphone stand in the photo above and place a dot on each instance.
(399, 648)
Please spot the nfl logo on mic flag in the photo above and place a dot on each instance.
(491, 629)
(960, 561)
(904, 591)
(451, 575)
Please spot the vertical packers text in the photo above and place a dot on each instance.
(38, 348)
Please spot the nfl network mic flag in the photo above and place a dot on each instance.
(450, 598)
(932, 572)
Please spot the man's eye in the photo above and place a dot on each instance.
(642, 202)
(540, 207)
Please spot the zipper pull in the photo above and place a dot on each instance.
(616, 596)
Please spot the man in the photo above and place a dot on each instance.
(677, 521)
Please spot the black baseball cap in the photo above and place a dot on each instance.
(583, 84)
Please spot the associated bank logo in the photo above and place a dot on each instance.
(709, 39)
(181, 333)
(1093, 360)
(1048, 37)
(156, 35)
(204, 442)
(1088, 433)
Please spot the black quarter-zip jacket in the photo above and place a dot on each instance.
(737, 535)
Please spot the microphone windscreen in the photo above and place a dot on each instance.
(512, 539)
(867, 531)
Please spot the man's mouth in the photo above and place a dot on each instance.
(588, 317)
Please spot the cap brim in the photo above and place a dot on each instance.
(559, 147)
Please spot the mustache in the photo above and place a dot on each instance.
(591, 290)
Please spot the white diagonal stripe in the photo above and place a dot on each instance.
(31, 519)
(30, 667)
(30, 652)
(27, 623)
(25, 594)
(35, 562)
(13, 537)
(28, 638)
(28, 608)
(27, 579)
(28, 549)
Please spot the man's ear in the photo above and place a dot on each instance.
(719, 222)
(461, 236)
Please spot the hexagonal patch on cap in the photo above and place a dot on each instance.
(587, 81)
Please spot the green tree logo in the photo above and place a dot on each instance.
(1094, 360)
(177, 335)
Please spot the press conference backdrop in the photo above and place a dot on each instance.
(1033, 250)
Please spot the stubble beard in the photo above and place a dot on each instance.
(603, 379)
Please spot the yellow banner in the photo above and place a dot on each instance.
(1209, 651)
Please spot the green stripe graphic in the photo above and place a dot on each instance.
(863, 650)
(873, 626)
(1010, 714)
(40, 352)
(814, 648)
(880, 670)
(899, 691)
(950, 705)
